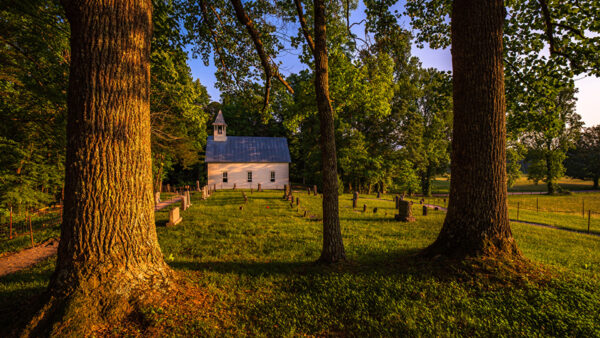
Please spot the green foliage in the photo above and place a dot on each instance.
(583, 161)
(176, 103)
(552, 131)
(33, 80)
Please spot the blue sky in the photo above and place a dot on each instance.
(588, 104)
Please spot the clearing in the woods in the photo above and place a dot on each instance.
(254, 267)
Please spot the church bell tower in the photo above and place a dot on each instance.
(220, 128)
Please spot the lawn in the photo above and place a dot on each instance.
(255, 264)
(441, 185)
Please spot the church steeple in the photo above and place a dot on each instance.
(220, 128)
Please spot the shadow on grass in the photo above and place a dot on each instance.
(399, 262)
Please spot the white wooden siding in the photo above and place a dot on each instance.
(238, 173)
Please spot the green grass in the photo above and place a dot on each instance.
(441, 185)
(256, 265)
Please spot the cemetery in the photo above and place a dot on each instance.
(302, 168)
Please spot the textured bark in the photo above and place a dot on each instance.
(333, 246)
(108, 255)
(477, 219)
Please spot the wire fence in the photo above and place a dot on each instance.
(13, 225)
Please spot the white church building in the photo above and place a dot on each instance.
(246, 161)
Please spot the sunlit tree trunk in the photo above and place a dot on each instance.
(333, 246)
(477, 219)
(108, 254)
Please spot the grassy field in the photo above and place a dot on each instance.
(255, 266)
(441, 185)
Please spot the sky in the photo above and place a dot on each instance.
(588, 97)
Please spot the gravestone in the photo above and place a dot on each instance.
(304, 213)
(157, 197)
(184, 204)
(204, 193)
(259, 188)
(375, 210)
(364, 208)
(234, 185)
(168, 188)
(354, 199)
(174, 217)
(424, 211)
(404, 212)
(297, 200)
(197, 185)
(308, 191)
(245, 197)
(189, 199)
(285, 189)
(214, 187)
(379, 194)
(315, 190)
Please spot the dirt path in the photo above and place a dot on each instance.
(28, 257)
(164, 204)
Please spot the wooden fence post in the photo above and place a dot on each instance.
(10, 222)
(31, 231)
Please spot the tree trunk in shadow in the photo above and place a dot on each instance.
(477, 220)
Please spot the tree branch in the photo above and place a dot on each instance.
(269, 67)
(309, 40)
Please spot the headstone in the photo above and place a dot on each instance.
(251, 190)
(304, 213)
(297, 200)
(404, 212)
(285, 190)
(234, 185)
(204, 193)
(184, 204)
(259, 188)
(189, 199)
(157, 197)
(197, 185)
(424, 211)
(308, 191)
(375, 210)
(168, 188)
(364, 208)
(315, 190)
(379, 194)
(245, 197)
(214, 187)
(174, 217)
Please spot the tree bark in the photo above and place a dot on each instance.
(477, 220)
(333, 246)
(108, 256)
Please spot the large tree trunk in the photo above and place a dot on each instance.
(333, 246)
(477, 219)
(108, 255)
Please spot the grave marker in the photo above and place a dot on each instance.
(404, 212)
(174, 217)
(157, 197)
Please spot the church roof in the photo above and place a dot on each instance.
(248, 149)
(220, 120)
